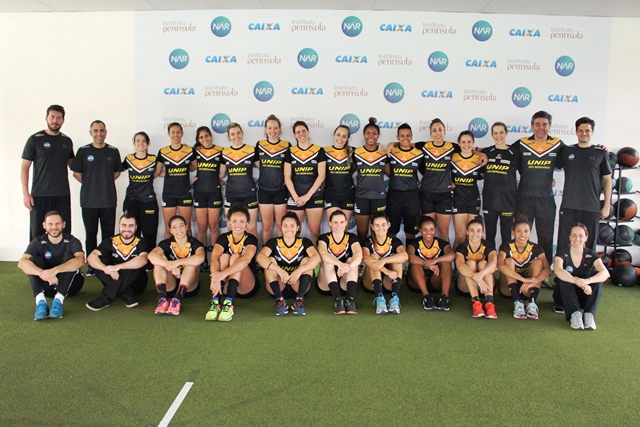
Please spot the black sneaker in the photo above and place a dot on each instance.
(338, 306)
(130, 301)
(351, 306)
(427, 302)
(444, 303)
(90, 272)
(98, 304)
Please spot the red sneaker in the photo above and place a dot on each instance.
(477, 309)
(174, 307)
(490, 308)
(162, 307)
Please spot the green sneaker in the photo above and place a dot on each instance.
(226, 315)
(214, 311)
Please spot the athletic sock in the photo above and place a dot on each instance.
(275, 288)
(515, 292)
(377, 287)
(351, 288)
(474, 299)
(40, 297)
(334, 287)
(59, 297)
(489, 298)
(534, 294)
(303, 287)
(162, 290)
(215, 300)
(180, 292)
(395, 286)
(232, 288)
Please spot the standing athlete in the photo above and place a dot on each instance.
(51, 152)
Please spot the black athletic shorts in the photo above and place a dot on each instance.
(211, 200)
(251, 202)
(346, 202)
(473, 209)
(273, 197)
(369, 206)
(440, 203)
(316, 201)
(403, 205)
(172, 202)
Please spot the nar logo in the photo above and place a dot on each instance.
(221, 26)
(179, 58)
(521, 97)
(482, 31)
(351, 26)
(438, 61)
(565, 66)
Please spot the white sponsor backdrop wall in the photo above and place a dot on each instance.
(117, 67)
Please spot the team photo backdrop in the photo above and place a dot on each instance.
(340, 67)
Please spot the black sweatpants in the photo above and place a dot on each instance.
(572, 298)
(146, 214)
(129, 282)
(542, 211)
(42, 205)
(491, 225)
(68, 285)
(91, 217)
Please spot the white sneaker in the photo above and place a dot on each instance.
(589, 321)
(576, 320)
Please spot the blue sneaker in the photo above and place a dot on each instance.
(42, 311)
(394, 304)
(381, 305)
(56, 309)
(298, 308)
(281, 307)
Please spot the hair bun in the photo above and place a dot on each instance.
(373, 120)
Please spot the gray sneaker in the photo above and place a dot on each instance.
(518, 310)
(576, 320)
(589, 321)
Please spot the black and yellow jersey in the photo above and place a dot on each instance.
(232, 247)
(289, 257)
(465, 173)
(272, 157)
(339, 179)
(176, 164)
(537, 163)
(437, 166)
(370, 173)
(173, 251)
(499, 191)
(208, 161)
(522, 259)
(342, 250)
(428, 252)
(141, 172)
(405, 165)
(304, 166)
(385, 249)
(480, 254)
(239, 163)
(119, 252)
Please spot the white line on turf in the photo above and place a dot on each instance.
(175, 405)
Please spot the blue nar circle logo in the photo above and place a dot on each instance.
(352, 26)
(47, 255)
(220, 26)
(219, 123)
(572, 156)
(438, 61)
(47, 145)
(482, 31)
(352, 121)
(90, 158)
(565, 66)
(521, 97)
(307, 58)
(393, 92)
(179, 58)
(478, 127)
(263, 91)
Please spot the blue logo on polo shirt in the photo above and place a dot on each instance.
(47, 255)
(47, 145)
(90, 158)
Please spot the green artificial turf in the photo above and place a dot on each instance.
(124, 367)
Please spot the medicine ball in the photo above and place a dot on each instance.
(624, 235)
(628, 157)
(624, 275)
(606, 234)
(621, 256)
(625, 185)
(605, 258)
(628, 209)
(613, 160)
(637, 269)
(612, 213)
(636, 238)
(614, 184)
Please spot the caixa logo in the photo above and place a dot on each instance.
(179, 58)
(524, 32)
(263, 91)
(307, 91)
(478, 127)
(351, 26)
(565, 66)
(521, 97)
(562, 98)
(482, 63)
(220, 59)
(264, 26)
(307, 58)
(482, 31)
(256, 123)
(221, 26)
(219, 123)
(352, 121)
(438, 61)
(402, 28)
(179, 91)
(444, 94)
(352, 59)
(393, 92)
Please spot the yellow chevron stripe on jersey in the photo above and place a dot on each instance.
(236, 247)
(521, 258)
(124, 250)
(141, 165)
(338, 249)
(273, 149)
(466, 165)
(477, 255)
(175, 156)
(435, 152)
(180, 253)
(370, 157)
(208, 153)
(540, 149)
(290, 253)
(405, 157)
(303, 156)
(339, 155)
(383, 250)
(238, 155)
(428, 253)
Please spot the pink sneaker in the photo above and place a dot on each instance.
(174, 307)
(162, 307)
